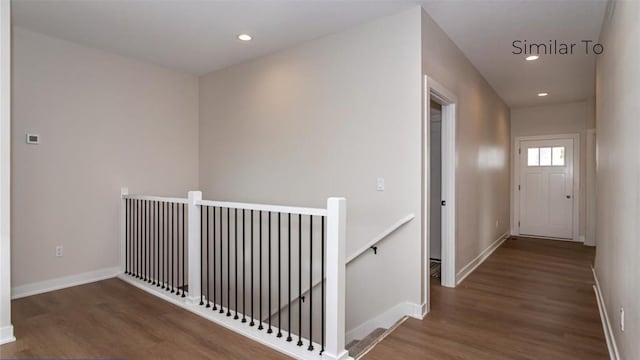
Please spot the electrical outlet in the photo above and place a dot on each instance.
(497, 223)
(380, 184)
(59, 251)
(621, 319)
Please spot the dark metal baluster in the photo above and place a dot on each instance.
(244, 269)
(269, 330)
(221, 261)
(168, 248)
(289, 338)
(164, 224)
(126, 241)
(145, 253)
(152, 233)
(299, 279)
(150, 244)
(139, 229)
(202, 222)
(177, 250)
(251, 238)
(207, 269)
(310, 348)
(260, 268)
(228, 262)
(235, 263)
(142, 234)
(322, 280)
(149, 241)
(158, 254)
(153, 242)
(213, 232)
(279, 282)
(184, 226)
(171, 252)
(174, 245)
(130, 231)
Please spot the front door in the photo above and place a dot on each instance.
(546, 188)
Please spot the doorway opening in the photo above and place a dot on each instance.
(435, 203)
(438, 199)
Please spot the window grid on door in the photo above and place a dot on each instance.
(546, 156)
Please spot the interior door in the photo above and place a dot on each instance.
(546, 188)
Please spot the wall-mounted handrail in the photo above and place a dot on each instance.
(395, 226)
(371, 244)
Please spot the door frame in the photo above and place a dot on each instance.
(6, 328)
(515, 193)
(433, 90)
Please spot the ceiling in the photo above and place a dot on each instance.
(199, 36)
(485, 31)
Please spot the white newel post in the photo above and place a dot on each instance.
(193, 231)
(123, 228)
(336, 281)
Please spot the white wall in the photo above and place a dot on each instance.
(618, 172)
(6, 329)
(105, 121)
(568, 118)
(482, 145)
(326, 119)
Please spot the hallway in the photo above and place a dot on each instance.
(532, 299)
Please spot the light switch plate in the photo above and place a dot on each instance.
(380, 184)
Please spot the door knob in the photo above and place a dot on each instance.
(568, 196)
(443, 203)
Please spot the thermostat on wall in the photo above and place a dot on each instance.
(33, 139)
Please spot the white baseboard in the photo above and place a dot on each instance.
(63, 282)
(606, 325)
(386, 320)
(6, 334)
(473, 264)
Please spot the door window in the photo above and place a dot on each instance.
(546, 156)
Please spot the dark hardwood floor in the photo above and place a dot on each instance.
(111, 319)
(532, 299)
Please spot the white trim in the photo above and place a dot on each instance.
(590, 188)
(606, 325)
(263, 207)
(336, 269)
(385, 320)
(6, 334)
(473, 264)
(5, 171)
(515, 210)
(433, 89)
(123, 228)
(395, 226)
(156, 198)
(281, 345)
(64, 282)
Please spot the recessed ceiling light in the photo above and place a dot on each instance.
(543, 94)
(532, 57)
(244, 37)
